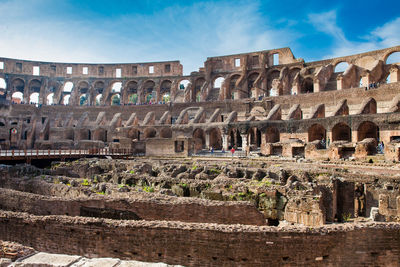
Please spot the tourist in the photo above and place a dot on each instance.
(233, 151)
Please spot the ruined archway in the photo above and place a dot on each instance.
(215, 138)
(17, 97)
(134, 134)
(148, 89)
(307, 86)
(150, 133)
(199, 139)
(393, 58)
(198, 85)
(316, 132)
(341, 132)
(367, 129)
(166, 133)
(234, 93)
(165, 91)
(50, 99)
(254, 138)
(272, 135)
(252, 91)
(234, 138)
(116, 100)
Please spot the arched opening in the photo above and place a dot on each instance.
(83, 100)
(18, 85)
(148, 92)
(98, 99)
(50, 99)
(3, 84)
(116, 87)
(132, 89)
(254, 138)
(34, 87)
(150, 133)
(233, 91)
(307, 86)
(34, 98)
(183, 84)
(166, 133)
(271, 84)
(215, 138)
(198, 85)
(165, 91)
(341, 132)
(65, 100)
(68, 86)
(234, 138)
(393, 58)
(218, 82)
(250, 84)
(17, 97)
(367, 129)
(272, 135)
(316, 132)
(116, 100)
(199, 139)
(341, 67)
(134, 134)
(133, 98)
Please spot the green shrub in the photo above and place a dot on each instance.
(85, 182)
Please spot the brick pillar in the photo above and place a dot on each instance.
(225, 144)
(244, 142)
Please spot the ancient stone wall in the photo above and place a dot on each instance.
(193, 244)
(142, 208)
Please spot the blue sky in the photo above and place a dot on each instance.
(190, 31)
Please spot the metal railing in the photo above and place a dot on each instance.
(63, 152)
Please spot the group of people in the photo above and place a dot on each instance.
(372, 86)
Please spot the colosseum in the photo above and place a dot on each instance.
(256, 159)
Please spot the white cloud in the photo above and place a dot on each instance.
(39, 30)
(384, 36)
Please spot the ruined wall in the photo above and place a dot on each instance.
(143, 208)
(206, 245)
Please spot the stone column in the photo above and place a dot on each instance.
(225, 144)
(244, 142)
(339, 82)
(207, 140)
(317, 87)
(394, 74)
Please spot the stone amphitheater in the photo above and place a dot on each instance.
(256, 159)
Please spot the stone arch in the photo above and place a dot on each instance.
(199, 139)
(233, 92)
(234, 138)
(34, 86)
(252, 92)
(341, 66)
(115, 100)
(198, 85)
(68, 87)
(134, 134)
(166, 133)
(307, 86)
(165, 91)
(183, 84)
(254, 138)
(17, 97)
(131, 91)
(272, 135)
(150, 133)
(83, 92)
(367, 129)
(215, 138)
(3, 84)
(292, 75)
(148, 88)
(116, 87)
(34, 98)
(316, 132)
(393, 57)
(274, 74)
(18, 85)
(341, 132)
(50, 99)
